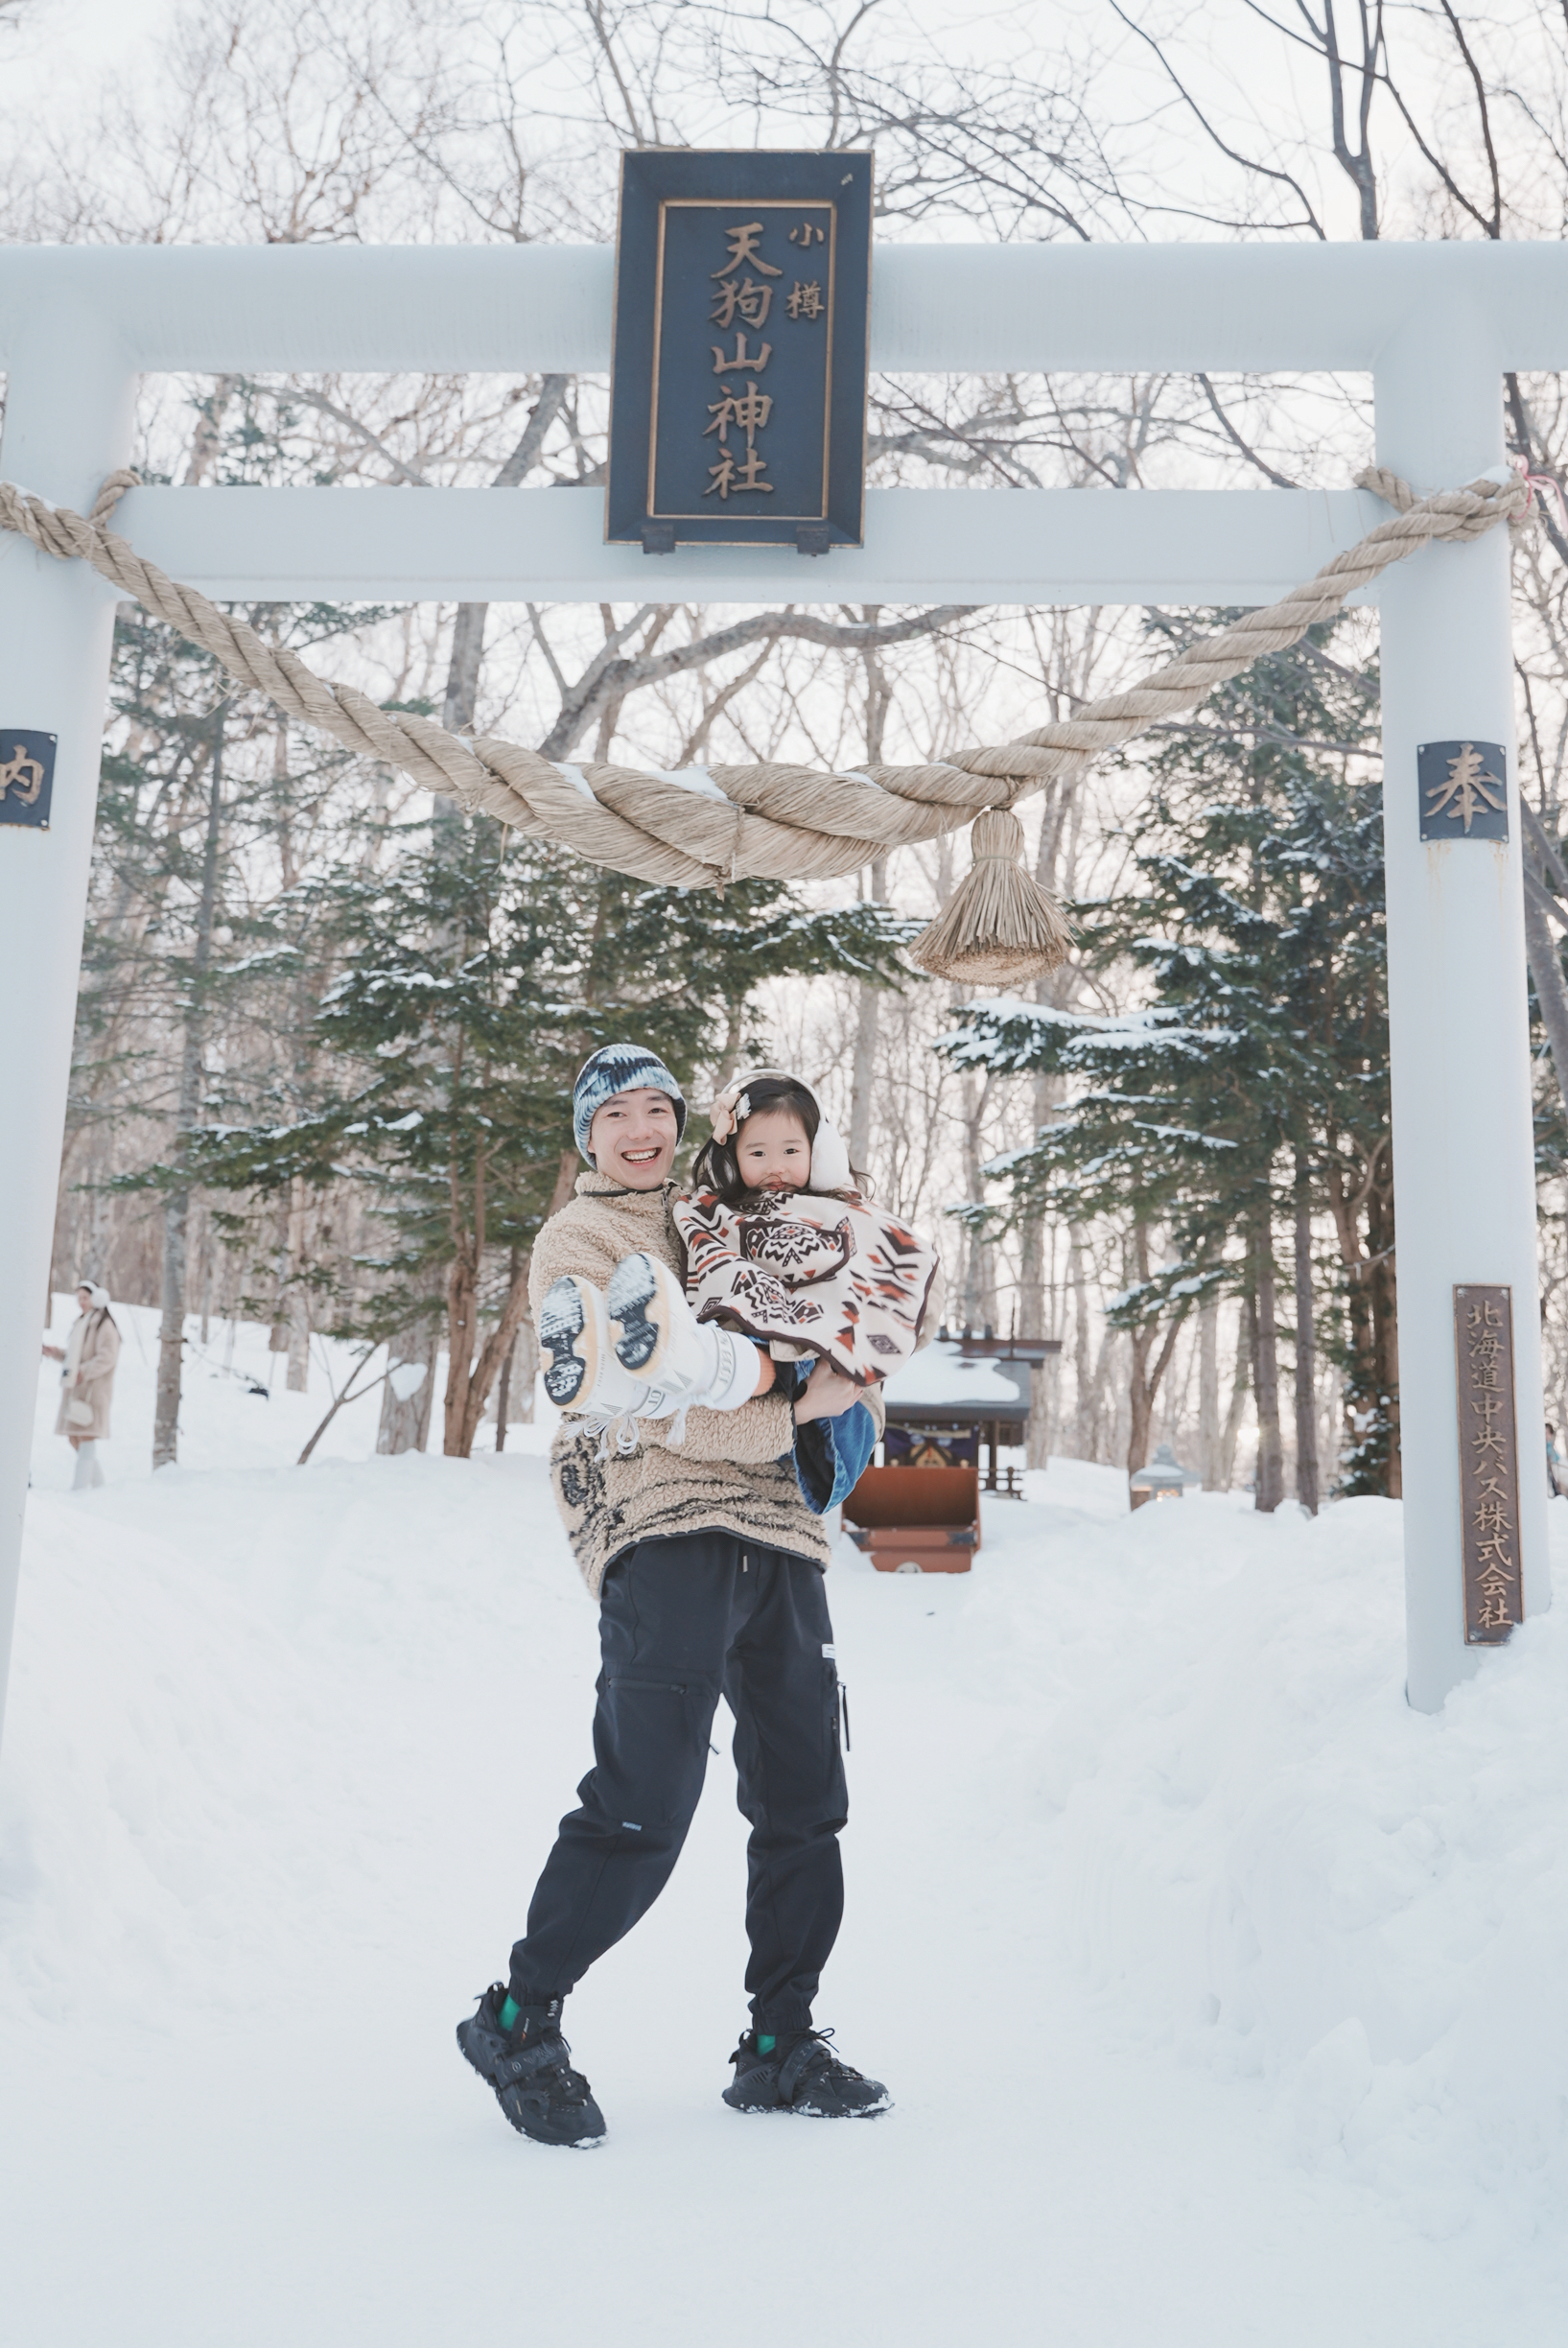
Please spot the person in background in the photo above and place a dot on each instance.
(1554, 1463)
(88, 1356)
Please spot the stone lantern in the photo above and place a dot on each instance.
(1164, 1479)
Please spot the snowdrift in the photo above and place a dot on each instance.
(1231, 1956)
(1287, 1871)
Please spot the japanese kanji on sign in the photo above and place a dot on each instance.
(1489, 1464)
(739, 382)
(1464, 790)
(27, 777)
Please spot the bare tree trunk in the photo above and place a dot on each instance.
(525, 1373)
(300, 1303)
(504, 1391)
(1240, 1379)
(863, 1082)
(1271, 1458)
(1032, 1291)
(1032, 1323)
(503, 1399)
(1082, 1428)
(203, 1277)
(515, 1400)
(1147, 1369)
(1112, 1400)
(1306, 1350)
(462, 1312)
(468, 1394)
(177, 1202)
(879, 696)
(404, 1419)
(979, 1299)
(464, 668)
(170, 1333)
(1209, 1393)
(207, 439)
(277, 1339)
(515, 1389)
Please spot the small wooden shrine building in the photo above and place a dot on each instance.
(963, 1394)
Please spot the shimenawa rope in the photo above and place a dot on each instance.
(707, 825)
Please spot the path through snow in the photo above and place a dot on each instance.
(1221, 1997)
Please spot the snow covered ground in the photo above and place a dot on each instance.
(1224, 2000)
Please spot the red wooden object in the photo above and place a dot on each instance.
(929, 1517)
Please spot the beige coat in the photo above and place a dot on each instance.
(94, 1381)
(734, 1473)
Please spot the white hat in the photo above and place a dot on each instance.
(830, 1159)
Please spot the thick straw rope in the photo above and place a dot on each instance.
(784, 823)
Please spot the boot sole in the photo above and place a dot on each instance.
(557, 2144)
(561, 1322)
(807, 2111)
(633, 1286)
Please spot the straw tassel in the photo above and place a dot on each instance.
(999, 927)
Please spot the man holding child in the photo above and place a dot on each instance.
(692, 1483)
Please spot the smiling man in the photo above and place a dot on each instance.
(708, 1565)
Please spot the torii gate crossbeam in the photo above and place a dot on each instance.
(1435, 324)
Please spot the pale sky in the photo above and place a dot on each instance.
(66, 49)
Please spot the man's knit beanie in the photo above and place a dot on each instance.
(620, 1068)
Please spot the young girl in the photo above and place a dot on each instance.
(781, 1247)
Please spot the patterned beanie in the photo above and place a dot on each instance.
(620, 1068)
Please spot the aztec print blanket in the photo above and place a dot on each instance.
(808, 1273)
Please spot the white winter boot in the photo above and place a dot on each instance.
(658, 1336)
(88, 1474)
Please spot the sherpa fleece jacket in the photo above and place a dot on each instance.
(734, 1473)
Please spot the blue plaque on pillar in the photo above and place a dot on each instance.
(737, 396)
(1464, 790)
(27, 777)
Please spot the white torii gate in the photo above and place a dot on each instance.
(1435, 324)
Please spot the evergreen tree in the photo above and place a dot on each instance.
(1251, 1083)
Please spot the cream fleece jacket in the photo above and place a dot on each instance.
(734, 1473)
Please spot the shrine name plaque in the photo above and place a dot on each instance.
(1489, 1464)
(737, 391)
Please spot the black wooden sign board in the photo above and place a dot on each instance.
(1464, 790)
(27, 776)
(738, 398)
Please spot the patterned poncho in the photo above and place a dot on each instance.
(808, 1273)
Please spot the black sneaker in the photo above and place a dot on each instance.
(802, 2075)
(535, 2084)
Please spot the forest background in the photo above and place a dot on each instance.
(327, 1030)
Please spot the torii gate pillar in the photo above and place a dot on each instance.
(1464, 1143)
(70, 408)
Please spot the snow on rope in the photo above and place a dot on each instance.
(776, 822)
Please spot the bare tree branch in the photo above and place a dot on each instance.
(607, 678)
(1280, 481)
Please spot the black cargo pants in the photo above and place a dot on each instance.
(682, 1621)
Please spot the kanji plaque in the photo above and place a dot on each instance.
(1464, 790)
(27, 777)
(737, 399)
(1489, 1464)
